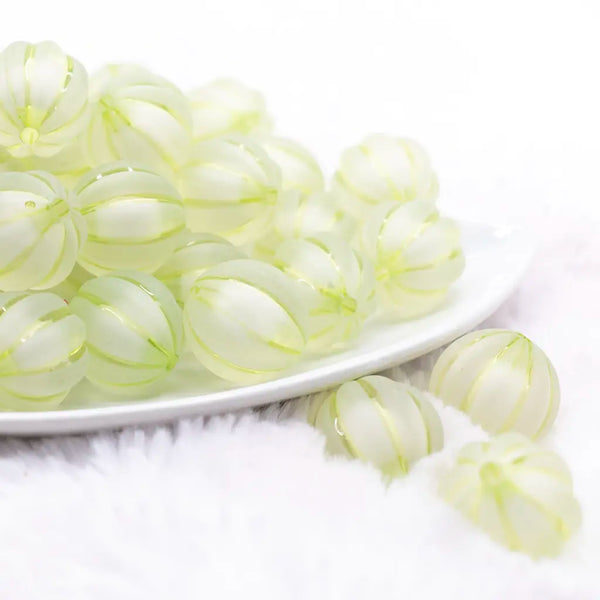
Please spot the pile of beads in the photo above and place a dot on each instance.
(138, 204)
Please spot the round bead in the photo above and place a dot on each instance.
(134, 330)
(299, 168)
(40, 235)
(417, 256)
(68, 166)
(134, 217)
(341, 284)
(230, 189)
(380, 421)
(299, 215)
(226, 106)
(42, 351)
(139, 116)
(43, 99)
(195, 255)
(501, 379)
(245, 321)
(518, 493)
(384, 169)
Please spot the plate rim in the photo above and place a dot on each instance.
(114, 416)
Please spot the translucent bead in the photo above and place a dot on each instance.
(518, 493)
(226, 106)
(40, 235)
(341, 285)
(384, 169)
(417, 256)
(68, 166)
(43, 99)
(195, 255)
(380, 421)
(230, 189)
(138, 116)
(134, 217)
(42, 351)
(501, 379)
(299, 215)
(134, 330)
(246, 321)
(299, 168)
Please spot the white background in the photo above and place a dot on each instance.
(505, 95)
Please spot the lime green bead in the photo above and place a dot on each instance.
(384, 169)
(197, 253)
(43, 99)
(135, 218)
(341, 284)
(501, 379)
(68, 166)
(379, 421)
(245, 321)
(230, 189)
(139, 116)
(416, 253)
(42, 351)
(134, 330)
(520, 494)
(224, 107)
(40, 235)
(299, 168)
(299, 215)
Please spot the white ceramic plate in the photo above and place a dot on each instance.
(496, 260)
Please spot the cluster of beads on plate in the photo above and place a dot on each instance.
(138, 204)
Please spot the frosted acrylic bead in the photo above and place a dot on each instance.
(501, 379)
(341, 284)
(42, 351)
(40, 235)
(68, 166)
(300, 215)
(43, 99)
(417, 256)
(226, 106)
(245, 321)
(196, 254)
(299, 168)
(380, 421)
(518, 493)
(139, 116)
(134, 330)
(134, 218)
(384, 169)
(230, 189)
